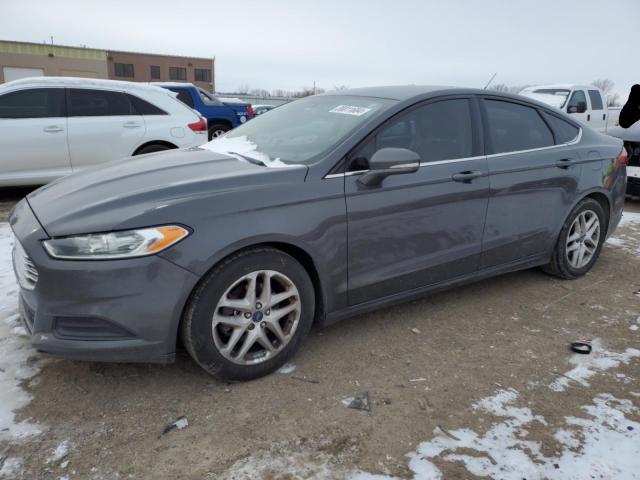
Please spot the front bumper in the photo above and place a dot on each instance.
(113, 310)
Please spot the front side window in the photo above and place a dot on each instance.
(177, 73)
(99, 103)
(155, 72)
(300, 131)
(34, 103)
(514, 127)
(124, 70)
(202, 75)
(596, 100)
(577, 102)
(436, 131)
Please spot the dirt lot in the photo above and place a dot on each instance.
(482, 374)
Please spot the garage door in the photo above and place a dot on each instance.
(15, 73)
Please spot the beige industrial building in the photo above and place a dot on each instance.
(24, 59)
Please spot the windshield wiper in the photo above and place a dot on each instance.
(255, 161)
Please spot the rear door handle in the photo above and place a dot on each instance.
(467, 177)
(53, 129)
(132, 125)
(565, 163)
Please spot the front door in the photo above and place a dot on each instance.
(33, 135)
(421, 228)
(577, 106)
(103, 126)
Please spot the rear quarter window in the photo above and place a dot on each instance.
(564, 131)
(513, 127)
(143, 107)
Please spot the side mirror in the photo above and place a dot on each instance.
(389, 161)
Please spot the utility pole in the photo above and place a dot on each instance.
(314, 87)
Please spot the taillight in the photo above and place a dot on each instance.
(250, 111)
(623, 158)
(199, 126)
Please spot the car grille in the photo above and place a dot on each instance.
(26, 271)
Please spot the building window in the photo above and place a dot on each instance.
(202, 75)
(177, 73)
(155, 72)
(124, 70)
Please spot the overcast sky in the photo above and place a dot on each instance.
(290, 43)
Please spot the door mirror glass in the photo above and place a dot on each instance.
(389, 161)
(582, 107)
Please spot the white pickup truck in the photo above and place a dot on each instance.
(585, 103)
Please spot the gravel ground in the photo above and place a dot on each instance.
(475, 381)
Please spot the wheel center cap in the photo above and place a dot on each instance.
(257, 316)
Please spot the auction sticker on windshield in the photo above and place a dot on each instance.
(350, 110)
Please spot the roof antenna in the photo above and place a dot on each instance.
(490, 80)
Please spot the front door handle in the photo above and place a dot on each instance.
(131, 125)
(588, 117)
(466, 177)
(565, 163)
(53, 129)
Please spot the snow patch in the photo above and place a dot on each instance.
(58, 453)
(586, 366)
(10, 467)
(287, 368)
(629, 237)
(18, 361)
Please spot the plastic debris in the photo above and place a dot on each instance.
(360, 402)
(179, 423)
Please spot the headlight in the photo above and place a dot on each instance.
(125, 244)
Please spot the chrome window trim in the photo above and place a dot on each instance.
(456, 160)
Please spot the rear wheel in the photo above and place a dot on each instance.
(579, 242)
(249, 314)
(217, 130)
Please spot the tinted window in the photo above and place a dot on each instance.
(177, 73)
(184, 96)
(99, 103)
(437, 131)
(35, 103)
(155, 71)
(577, 97)
(143, 107)
(123, 69)
(514, 127)
(596, 100)
(564, 131)
(202, 75)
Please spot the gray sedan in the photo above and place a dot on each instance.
(329, 206)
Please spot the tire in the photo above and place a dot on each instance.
(217, 130)
(209, 328)
(565, 260)
(157, 147)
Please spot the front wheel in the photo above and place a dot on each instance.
(249, 314)
(579, 242)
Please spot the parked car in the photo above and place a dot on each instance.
(221, 116)
(260, 109)
(327, 207)
(586, 104)
(53, 126)
(631, 138)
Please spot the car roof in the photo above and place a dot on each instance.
(559, 86)
(408, 92)
(79, 82)
(172, 84)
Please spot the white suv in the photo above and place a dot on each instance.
(54, 126)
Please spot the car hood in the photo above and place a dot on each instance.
(126, 193)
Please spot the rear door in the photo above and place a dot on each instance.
(103, 126)
(598, 114)
(425, 227)
(534, 178)
(33, 135)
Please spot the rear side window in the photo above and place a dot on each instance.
(596, 100)
(184, 96)
(34, 103)
(99, 103)
(564, 131)
(513, 127)
(142, 107)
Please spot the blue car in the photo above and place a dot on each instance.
(221, 116)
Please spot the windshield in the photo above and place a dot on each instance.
(300, 131)
(560, 92)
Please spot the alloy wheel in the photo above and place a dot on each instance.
(583, 238)
(256, 317)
